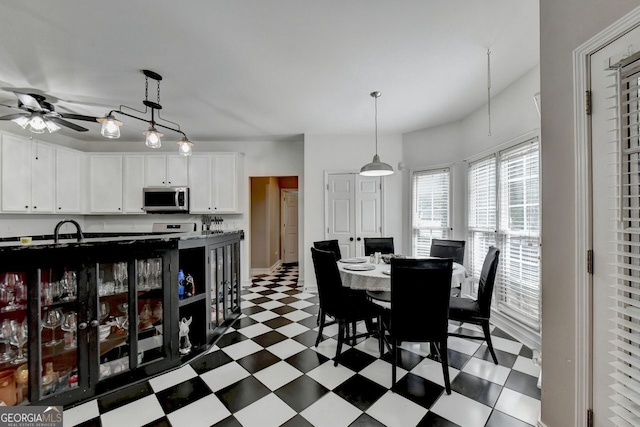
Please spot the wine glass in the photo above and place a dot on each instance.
(52, 319)
(104, 310)
(157, 272)
(140, 273)
(6, 338)
(125, 275)
(7, 289)
(69, 324)
(19, 337)
(117, 275)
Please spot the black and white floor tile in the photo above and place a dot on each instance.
(265, 371)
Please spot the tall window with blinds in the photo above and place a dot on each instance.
(504, 211)
(430, 208)
(626, 279)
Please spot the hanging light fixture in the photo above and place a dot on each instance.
(36, 123)
(376, 167)
(111, 126)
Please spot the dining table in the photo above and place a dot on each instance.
(360, 274)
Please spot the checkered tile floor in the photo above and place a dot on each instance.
(265, 371)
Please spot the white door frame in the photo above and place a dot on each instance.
(583, 200)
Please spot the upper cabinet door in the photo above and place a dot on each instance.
(105, 183)
(16, 174)
(155, 170)
(200, 184)
(225, 181)
(68, 181)
(133, 183)
(43, 167)
(177, 171)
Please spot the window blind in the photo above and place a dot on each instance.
(504, 211)
(625, 120)
(482, 213)
(517, 287)
(430, 210)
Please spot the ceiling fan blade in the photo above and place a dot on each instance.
(70, 125)
(79, 117)
(14, 116)
(11, 106)
(29, 101)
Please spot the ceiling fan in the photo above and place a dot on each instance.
(38, 115)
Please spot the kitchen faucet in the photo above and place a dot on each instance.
(57, 230)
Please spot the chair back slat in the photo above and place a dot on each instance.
(330, 289)
(448, 249)
(420, 291)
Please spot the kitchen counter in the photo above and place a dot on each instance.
(128, 239)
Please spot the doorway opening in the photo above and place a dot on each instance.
(273, 223)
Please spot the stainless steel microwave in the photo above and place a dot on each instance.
(166, 199)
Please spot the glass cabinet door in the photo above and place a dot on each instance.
(150, 292)
(218, 314)
(114, 343)
(58, 327)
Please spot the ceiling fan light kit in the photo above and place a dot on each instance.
(376, 167)
(111, 126)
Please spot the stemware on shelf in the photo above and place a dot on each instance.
(19, 337)
(69, 324)
(6, 338)
(104, 310)
(51, 320)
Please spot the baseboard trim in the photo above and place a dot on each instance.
(269, 270)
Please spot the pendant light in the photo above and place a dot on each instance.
(376, 167)
(111, 125)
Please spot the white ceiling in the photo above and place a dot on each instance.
(256, 69)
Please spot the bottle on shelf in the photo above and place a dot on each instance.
(180, 284)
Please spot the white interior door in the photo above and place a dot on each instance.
(289, 226)
(353, 211)
(605, 217)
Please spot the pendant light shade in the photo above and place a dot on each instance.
(153, 137)
(376, 167)
(184, 146)
(110, 127)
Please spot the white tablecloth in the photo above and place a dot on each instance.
(376, 280)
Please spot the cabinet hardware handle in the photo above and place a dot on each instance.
(26, 207)
(351, 239)
(59, 207)
(358, 239)
(35, 207)
(82, 325)
(94, 323)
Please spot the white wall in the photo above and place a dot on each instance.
(346, 153)
(564, 26)
(513, 113)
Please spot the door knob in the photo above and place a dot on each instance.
(358, 239)
(94, 323)
(82, 325)
(351, 239)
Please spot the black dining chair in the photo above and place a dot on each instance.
(332, 246)
(478, 311)
(336, 300)
(419, 308)
(384, 245)
(453, 249)
(329, 245)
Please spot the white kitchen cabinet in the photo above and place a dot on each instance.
(166, 171)
(200, 184)
(214, 183)
(68, 181)
(28, 175)
(133, 183)
(226, 168)
(105, 183)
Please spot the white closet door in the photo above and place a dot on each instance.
(353, 211)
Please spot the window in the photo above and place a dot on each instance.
(430, 208)
(504, 211)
